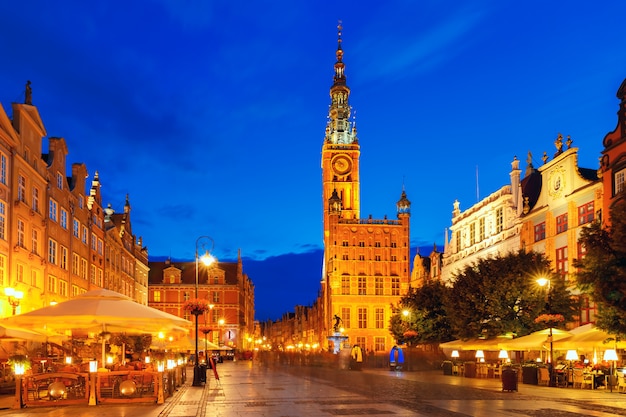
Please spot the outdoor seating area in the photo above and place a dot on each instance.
(93, 349)
(582, 358)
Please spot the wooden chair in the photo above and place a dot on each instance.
(621, 383)
(544, 376)
(587, 380)
(577, 378)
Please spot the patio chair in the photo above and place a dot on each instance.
(621, 383)
(544, 376)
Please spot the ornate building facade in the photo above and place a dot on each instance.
(230, 292)
(613, 161)
(52, 232)
(366, 261)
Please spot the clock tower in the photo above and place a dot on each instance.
(366, 261)
(340, 152)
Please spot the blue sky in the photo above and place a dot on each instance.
(211, 114)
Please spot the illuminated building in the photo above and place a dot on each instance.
(366, 261)
(613, 161)
(223, 285)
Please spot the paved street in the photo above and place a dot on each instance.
(249, 389)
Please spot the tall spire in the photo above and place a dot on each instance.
(339, 129)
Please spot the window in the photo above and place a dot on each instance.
(345, 317)
(585, 213)
(499, 220)
(35, 241)
(619, 181)
(472, 233)
(377, 257)
(344, 243)
(394, 245)
(216, 297)
(378, 285)
(345, 285)
(587, 310)
(92, 274)
(395, 285)
(76, 290)
(380, 318)
(361, 244)
(379, 344)
(63, 260)
(3, 220)
(75, 263)
(457, 238)
(34, 278)
(157, 296)
(540, 231)
(63, 288)
(344, 257)
(75, 227)
(561, 263)
(361, 257)
(100, 277)
(21, 188)
(362, 317)
(3, 169)
(81, 202)
(83, 235)
(21, 227)
(94, 241)
(362, 285)
(100, 246)
(52, 284)
(83, 268)
(52, 251)
(20, 273)
(360, 341)
(561, 223)
(481, 229)
(59, 181)
(63, 221)
(34, 204)
(377, 244)
(53, 210)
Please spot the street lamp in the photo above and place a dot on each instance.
(15, 297)
(542, 283)
(207, 259)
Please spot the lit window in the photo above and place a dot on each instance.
(585, 213)
(540, 231)
(561, 223)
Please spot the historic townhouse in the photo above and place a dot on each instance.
(126, 258)
(489, 227)
(52, 236)
(613, 161)
(230, 321)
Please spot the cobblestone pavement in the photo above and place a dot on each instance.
(251, 389)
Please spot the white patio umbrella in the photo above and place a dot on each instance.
(99, 309)
(534, 341)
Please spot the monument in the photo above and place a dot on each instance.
(337, 337)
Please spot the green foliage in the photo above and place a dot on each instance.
(500, 295)
(427, 321)
(602, 272)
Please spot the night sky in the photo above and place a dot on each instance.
(211, 114)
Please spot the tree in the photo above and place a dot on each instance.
(500, 295)
(426, 320)
(602, 271)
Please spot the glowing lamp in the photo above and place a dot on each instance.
(571, 355)
(454, 354)
(93, 366)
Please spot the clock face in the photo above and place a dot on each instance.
(341, 164)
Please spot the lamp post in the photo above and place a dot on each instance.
(14, 296)
(543, 282)
(207, 260)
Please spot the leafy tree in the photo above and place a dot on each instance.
(602, 271)
(426, 321)
(500, 295)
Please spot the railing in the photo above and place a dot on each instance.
(65, 388)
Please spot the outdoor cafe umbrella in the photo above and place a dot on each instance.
(99, 310)
(588, 337)
(9, 333)
(534, 341)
